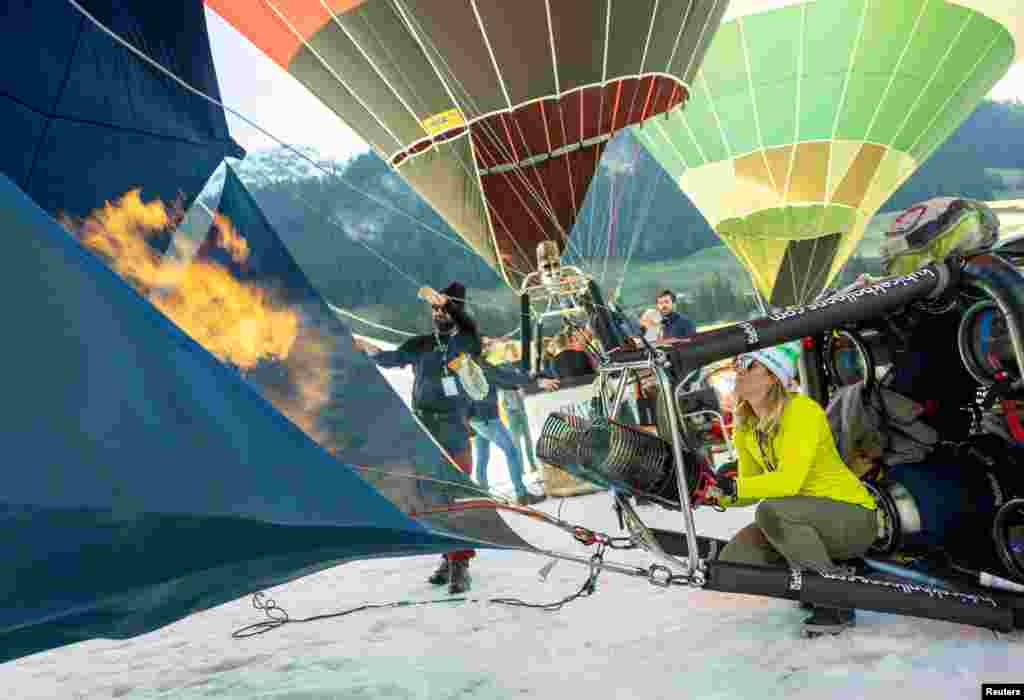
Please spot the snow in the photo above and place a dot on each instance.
(629, 640)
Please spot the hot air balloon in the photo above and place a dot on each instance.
(496, 113)
(89, 120)
(806, 116)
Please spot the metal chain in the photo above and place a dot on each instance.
(656, 574)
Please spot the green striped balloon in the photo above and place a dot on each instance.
(806, 117)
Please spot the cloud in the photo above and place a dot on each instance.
(1010, 87)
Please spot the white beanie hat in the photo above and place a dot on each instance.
(780, 360)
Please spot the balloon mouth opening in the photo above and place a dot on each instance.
(427, 143)
(654, 98)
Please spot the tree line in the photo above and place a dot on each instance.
(367, 241)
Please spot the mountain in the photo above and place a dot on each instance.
(367, 240)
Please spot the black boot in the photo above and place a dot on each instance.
(443, 573)
(826, 620)
(460, 578)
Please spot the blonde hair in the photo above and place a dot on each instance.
(767, 425)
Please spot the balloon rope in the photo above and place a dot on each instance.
(319, 166)
(611, 227)
(482, 127)
(367, 322)
(384, 259)
(199, 93)
(360, 319)
(471, 173)
(333, 173)
(496, 142)
(640, 221)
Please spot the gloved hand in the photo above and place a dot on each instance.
(725, 485)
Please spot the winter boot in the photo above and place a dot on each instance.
(825, 620)
(460, 578)
(443, 573)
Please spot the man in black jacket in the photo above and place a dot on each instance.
(673, 323)
(438, 399)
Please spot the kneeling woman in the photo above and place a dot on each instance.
(813, 510)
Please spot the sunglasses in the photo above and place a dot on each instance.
(745, 362)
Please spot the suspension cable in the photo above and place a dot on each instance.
(278, 617)
(355, 317)
(199, 93)
(546, 205)
(319, 166)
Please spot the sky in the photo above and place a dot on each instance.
(252, 85)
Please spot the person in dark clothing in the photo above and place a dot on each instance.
(673, 323)
(569, 359)
(438, 400)
(487, 427)
(517, 421)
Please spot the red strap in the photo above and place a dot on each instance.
(1013, 420)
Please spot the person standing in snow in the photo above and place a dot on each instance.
(438, 400)
(813, 510)
(487, 427)
(512, 404)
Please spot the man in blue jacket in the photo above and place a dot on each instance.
(673, 323)
(438, 399)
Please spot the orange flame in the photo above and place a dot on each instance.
(228, 239)
(239, 323)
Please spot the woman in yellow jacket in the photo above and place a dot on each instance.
(813, 510)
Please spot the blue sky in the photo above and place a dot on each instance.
(253, 85)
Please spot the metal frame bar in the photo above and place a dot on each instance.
(721, 418)
(532, 282)
(695, 566)
(665, 387)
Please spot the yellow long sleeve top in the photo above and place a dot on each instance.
(804, 461)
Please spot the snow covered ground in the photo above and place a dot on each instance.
(629, 640)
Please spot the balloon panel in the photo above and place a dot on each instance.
(832, 103)
(534, 88)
